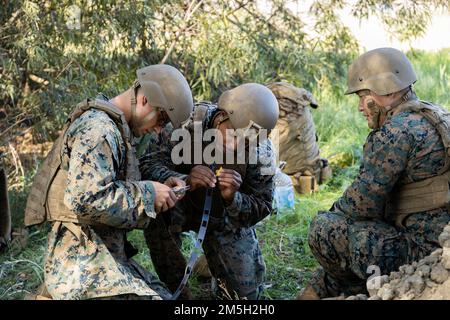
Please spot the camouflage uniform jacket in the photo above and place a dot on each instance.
(407, 148)
(88, 261)
(253, 201)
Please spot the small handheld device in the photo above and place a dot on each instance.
(180, 190)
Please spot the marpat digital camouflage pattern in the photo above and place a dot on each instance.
(358, 231)
(87, 261)
(231, 246)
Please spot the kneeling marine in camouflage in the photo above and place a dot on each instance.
(397, 206)
(241, 197)
(90, 189)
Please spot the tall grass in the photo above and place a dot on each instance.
(433, 73)
(283, 238)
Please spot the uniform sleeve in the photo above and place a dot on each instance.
(156, 164)
(93, 189)
(385, 157)
(253, 202)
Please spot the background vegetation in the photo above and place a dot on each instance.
(49, 61)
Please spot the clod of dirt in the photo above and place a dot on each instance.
(439, 274)
(444, 238)
(424, 271)
(446, 258)
(417, 284)
(386, 292)
(375, 283)
(427, 279)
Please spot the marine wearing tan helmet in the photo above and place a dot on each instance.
(160, 87)
(250, 105)
(102, 162)
(165, 88)
(399, 201)
(381, 72)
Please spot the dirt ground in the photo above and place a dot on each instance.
(427, 279)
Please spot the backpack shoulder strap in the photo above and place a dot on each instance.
(200, 110)
(198, 114)
(439, 119)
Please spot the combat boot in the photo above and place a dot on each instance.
(308, 293)
(319, 288)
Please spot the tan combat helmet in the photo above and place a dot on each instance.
(165, 87)
(382, 71)
(250, 104)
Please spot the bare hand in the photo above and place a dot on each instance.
(201, 176)
(164, 197)
(174, 182)
(229, 182)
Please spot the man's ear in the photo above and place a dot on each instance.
(222, 115)
(144, 100)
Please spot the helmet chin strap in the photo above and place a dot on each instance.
(379, 113)
(134, 90)
(376, 112)
(221, 118)
(136, 123)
